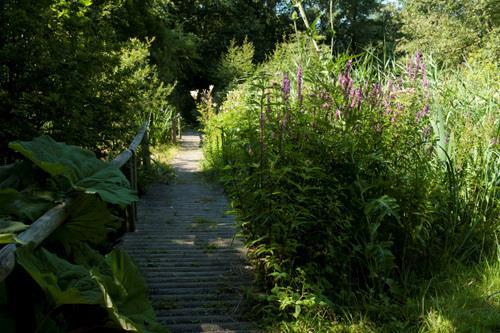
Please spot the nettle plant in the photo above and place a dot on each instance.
(76, 280)
(339, 177)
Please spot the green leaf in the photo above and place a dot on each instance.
(297, 311)
(126, 300)
(110, 184)
(18, 175)
(80, 167)
(9, 229)
(65, 282)
(59, 159)
(123, 287)
(26, 206)
(89, 221)
(8, 238)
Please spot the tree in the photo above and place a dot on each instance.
(351, 24)
(67, 70)
(451, 29)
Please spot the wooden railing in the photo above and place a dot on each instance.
(44, 226)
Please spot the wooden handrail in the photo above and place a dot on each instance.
(125, 155)
(45, 225)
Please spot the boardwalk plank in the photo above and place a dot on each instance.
(185, 245)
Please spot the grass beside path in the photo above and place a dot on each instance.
(465, 300)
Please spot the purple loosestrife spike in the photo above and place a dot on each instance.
(341, 80)
(418, 60)
(387, 106)
(421, 114)
(425, 82)
(338, 114)
(348, 67)
(285, 88)
(352, 97)
(359, 95)
(426, 110)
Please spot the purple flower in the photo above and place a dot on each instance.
(285, 88)
(494, 141)
(359, 95)
(299, 84)
(348, 66)
(345, 80)
(387, 107)
(418, 60)
(356, 96)
(421, 114)
(338, 114)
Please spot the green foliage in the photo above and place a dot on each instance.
(72, 274)
(113, 282)
(80, 225)
(355, 180)
(70, 70)
(235, 65)
(79, 166)
(64, 282)
(8, 230)
(451, 30)
(128, 301)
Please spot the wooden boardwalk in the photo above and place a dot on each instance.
(185, 246)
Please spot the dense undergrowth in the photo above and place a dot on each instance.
(361, 185)
(76, 281)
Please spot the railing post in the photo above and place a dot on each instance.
(174, 130)
(131, 211)
(179, 127)
(146, 155)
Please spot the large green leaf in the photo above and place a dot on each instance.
(9, 230)
(126, 295)
(79, 166)
(89, 221)
(123, 287)
(27, 206)
(17, 176)
(65, 282)
(110, 184)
